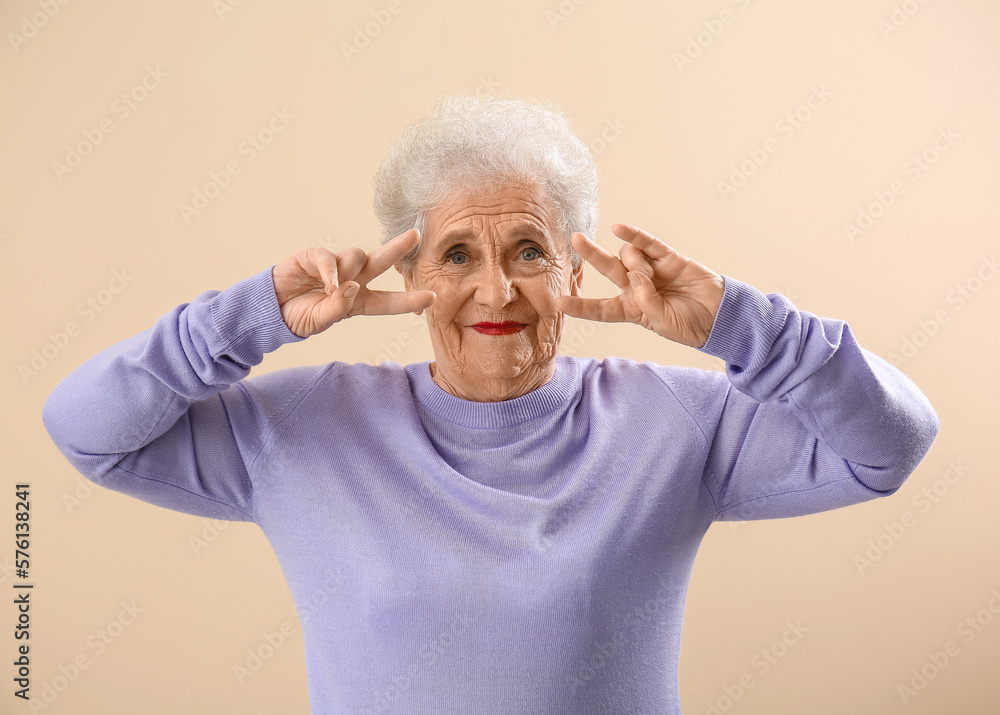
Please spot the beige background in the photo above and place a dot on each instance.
(671, 132)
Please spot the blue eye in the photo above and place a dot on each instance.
(451, 258)
(530, 254)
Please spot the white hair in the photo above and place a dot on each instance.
(471, 143)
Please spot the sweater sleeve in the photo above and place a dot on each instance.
(165, 415)
(810, 420)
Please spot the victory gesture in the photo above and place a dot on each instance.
(316, 288)
(672, 295)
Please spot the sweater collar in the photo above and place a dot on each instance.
(494, 415)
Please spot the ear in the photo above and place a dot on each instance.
(407, 276)
(577, 280)
(407, 281)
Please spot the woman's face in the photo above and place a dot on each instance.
(497, 262)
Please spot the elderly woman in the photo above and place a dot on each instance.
(502, 529)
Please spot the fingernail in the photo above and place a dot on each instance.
(352, 291)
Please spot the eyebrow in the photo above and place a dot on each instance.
(522, 231)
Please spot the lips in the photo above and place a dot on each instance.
(508, 327)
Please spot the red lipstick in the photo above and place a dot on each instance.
(507, 327)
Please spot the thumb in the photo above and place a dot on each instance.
(339, 304)
(643, 290)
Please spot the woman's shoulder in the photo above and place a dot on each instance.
(358, 372)
(293, 384)
(612, 367)
(698, 393)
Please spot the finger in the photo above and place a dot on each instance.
(340, 302)
(325, 263)
(607, 264)
(350, 261)
(635, 260)
(643, 240)
(385, 302)
(645, 295)
(381, 258)
(604, 310)
(312, 262)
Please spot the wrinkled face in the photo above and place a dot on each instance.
(497, 262)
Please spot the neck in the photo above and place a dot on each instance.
(488, 389)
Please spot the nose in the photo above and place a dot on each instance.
(495, 289)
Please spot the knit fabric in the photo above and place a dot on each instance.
(527, 556)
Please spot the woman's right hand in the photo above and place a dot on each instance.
(316, 288)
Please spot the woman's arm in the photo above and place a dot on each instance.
(809, 420)
(166, 415)
(148, 417)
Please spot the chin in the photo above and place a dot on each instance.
(499, 369)
(510, 366)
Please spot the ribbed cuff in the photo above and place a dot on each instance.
(248, 320)
(745, 327)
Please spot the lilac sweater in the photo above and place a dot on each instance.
(524, 557)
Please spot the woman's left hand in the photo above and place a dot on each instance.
(672, 295)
